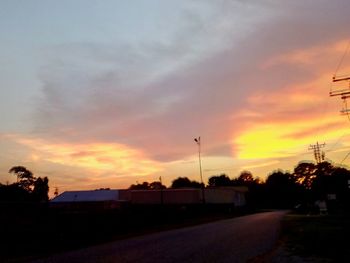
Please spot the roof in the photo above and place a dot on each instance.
(87, 196)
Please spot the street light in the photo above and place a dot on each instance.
(198, 141)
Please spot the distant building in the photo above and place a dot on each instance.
(183, 196)
(89, 199)
(87, 196)
(109, 199)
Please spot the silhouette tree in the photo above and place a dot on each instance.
(339, 184)
(219, 180)
(13, 193)
(331, 180)
(25, 178)
(245, 179)
(282, 190)
(305, 173)
(27, 188)
(184, 182)
(156, 185)
(41, 189)
(324, 169)
(143, 186)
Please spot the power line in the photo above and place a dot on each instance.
(342, 59)
(333, 146)
(346, 156)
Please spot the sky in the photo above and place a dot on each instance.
(98, 94)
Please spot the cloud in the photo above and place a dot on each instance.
(97, 158)
(285, 121)
(155, 97)
(310, 133)
(259, 165)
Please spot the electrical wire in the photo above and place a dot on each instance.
(346, 156)
(345, 104)
(342, 59)
(333, 146)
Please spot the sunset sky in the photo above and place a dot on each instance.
(99, 94)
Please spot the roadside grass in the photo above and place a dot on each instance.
(321, 238)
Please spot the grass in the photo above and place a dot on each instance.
(324, 238)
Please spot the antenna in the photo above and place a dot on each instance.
(319, 156)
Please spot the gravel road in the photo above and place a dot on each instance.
(230, 240)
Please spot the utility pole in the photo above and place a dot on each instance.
(161, 191)
(343, 93)
(198, 141)
(319, 156)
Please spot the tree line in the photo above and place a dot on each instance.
(307, 183)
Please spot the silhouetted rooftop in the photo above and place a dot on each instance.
(87, 196)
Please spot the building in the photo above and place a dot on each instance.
(89, 199)
(109, 199)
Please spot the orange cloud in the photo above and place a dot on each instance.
(284, 122)
(95, 157)
(276, 140)
(308, 56)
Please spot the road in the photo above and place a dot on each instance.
(230, 240)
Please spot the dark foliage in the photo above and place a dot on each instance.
(305, 173)
(14, 193)
(25, 178)
(26, 189)
(143, 186)
(282, 190)
(219, 180)
(245, 179)
(156, 185)
(184, 182)
(41, 189)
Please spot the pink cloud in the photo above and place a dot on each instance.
(268, 72)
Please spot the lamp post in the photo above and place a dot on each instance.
(161, 191)
(198, 141)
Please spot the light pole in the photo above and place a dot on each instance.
(198, 141)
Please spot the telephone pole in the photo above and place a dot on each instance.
(161, 191)
(319, 156)
(343, 93)
(198, 141)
